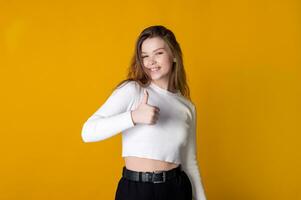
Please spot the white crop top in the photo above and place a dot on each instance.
(172, 138)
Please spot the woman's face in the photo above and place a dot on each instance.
(157, 58)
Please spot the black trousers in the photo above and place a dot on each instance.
(177, 188)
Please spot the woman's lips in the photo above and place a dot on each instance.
(154, 69)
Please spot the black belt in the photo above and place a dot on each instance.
(154, 177)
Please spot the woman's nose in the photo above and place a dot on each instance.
(152, 61)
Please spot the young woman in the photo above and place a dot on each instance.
(153, 110)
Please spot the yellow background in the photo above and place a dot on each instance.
(59, 61)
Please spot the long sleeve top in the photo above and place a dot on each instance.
(172, 138)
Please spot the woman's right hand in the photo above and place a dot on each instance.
(145, 113)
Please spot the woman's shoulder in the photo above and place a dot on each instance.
(128, 83)
(187, 101)
(129, 86)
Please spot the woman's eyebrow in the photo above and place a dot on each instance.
(155, 49)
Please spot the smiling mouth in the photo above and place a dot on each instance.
(154, 69)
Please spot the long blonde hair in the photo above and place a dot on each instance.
(178, 75)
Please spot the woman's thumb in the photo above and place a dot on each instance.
(145, 97)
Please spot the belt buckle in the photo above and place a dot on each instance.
(158, 172)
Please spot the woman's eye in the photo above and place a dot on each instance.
(156, 53)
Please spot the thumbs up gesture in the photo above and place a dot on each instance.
(145, 113)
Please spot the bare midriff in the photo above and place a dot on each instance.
(147, 165)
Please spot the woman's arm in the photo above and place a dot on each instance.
(190, 162)
(113, 117)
